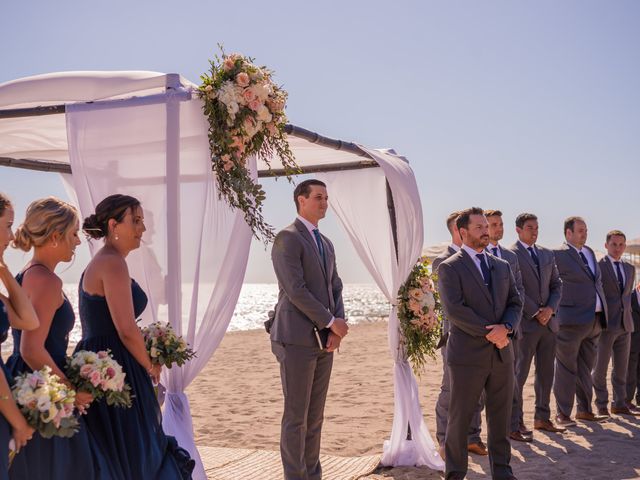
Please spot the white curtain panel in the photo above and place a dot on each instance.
(195, 250)
(359, 199)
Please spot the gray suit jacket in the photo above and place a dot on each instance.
(512, 259)
(635, 311)
(471, 306)
(434, 268)
(310, 292)
(618, 303)
(541, 289)
(578, 303)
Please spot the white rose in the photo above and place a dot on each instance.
(263, 114)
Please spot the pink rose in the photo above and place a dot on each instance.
(255, 104)
(111, 372)
(229, 63)
(248, 95)
(86, 370)
(94, 378)
(242, 79)
(271, 128)
(102, 354)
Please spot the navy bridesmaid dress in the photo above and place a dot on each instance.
(132, 438)
(5, 428)
(56, 458)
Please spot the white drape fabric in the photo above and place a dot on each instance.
(359, 199)
(195, 250)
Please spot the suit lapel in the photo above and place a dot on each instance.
(611, 272)
(574, 254)
(312, 243)
(528, 260)
(628, 275)
(470, 264)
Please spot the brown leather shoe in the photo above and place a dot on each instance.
(623, 411)
(590, 417)
(524, 430)
(478, 448)
(565, 421)
(547, 426)
(602, 411)
(519, 437)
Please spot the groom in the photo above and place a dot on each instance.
(308, 326)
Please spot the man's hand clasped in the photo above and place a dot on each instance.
(543, 315)
(498, 335)
(339, 328)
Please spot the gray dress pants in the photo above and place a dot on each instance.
(616, 343)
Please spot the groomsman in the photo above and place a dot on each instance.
(475, 444)
(308, 326)
(538, 328)
(582, 315)
(617, 281)
(481, 301)
(633, 372)
(519, 431)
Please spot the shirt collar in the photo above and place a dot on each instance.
(471, 252)
(455, 247)
(579, 250)
(612, 260)
(310, 226)
(527, 246)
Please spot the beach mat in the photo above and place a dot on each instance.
(244, 464)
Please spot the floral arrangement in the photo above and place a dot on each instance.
(420, 315)
(46, 403)
(246, 117)
(165, 347)
(100, 375)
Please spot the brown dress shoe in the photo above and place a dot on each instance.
(524, 430)
(519, 437)
(603, 412)
(589, 417)
(623, 411)
(565, 421)
(478, 448)
(547, 426)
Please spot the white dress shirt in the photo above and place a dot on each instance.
(472, 253)
(592, 266)
(455, 247)
(490, 248)
(311, 227)
(613, 264)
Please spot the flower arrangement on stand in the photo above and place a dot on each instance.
(420, 315)
(100, 375)
(246, 114)
(165, 347)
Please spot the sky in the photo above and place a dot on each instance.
(517, 106)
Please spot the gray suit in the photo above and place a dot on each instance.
(580, 328)
(616, 339)
(542, 288)
(310, 295)
(633, 371)
(442, 405)
(475, 364)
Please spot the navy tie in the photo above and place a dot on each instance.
(495, 251)
(534, 257)
(316, 234)
(619, 275)
(586, 263)
(486, 273)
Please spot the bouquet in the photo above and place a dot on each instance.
(100, 375)
(164, 346)
(245, 109)
(420, 315)
(46, 403)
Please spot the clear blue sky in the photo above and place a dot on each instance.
(521, 106)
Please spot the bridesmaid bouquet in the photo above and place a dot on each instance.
(46, 403)
(165, 347)
(100, 375)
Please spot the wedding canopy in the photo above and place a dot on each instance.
(144, 134)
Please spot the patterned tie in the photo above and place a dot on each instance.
(586, 262)
(316, 234)
(486, 273)
(619, 275)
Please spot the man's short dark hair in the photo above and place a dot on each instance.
(492, 213)
(570, 222)
(451, 220)
(615, 233)
(304, 189)
(465, 215)
(524, 218)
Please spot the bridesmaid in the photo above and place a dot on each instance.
(15, 310)
(51, 229)
(109, 303)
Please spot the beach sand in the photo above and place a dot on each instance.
(236, 402)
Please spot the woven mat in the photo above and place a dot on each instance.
(242, 464)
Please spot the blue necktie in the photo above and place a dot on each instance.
(495, 251)
(619, 275)
(316, 234)
(586, 262)
(534, 257)
(486, 273)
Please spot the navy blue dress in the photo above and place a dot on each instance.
(5, 429)
(132, 438)
(56, 458)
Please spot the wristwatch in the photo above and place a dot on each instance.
(509, 327)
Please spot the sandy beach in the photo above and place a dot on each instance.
(236, 402)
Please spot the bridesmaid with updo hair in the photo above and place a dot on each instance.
(15, 311)
(109, 303)
(50, 228)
